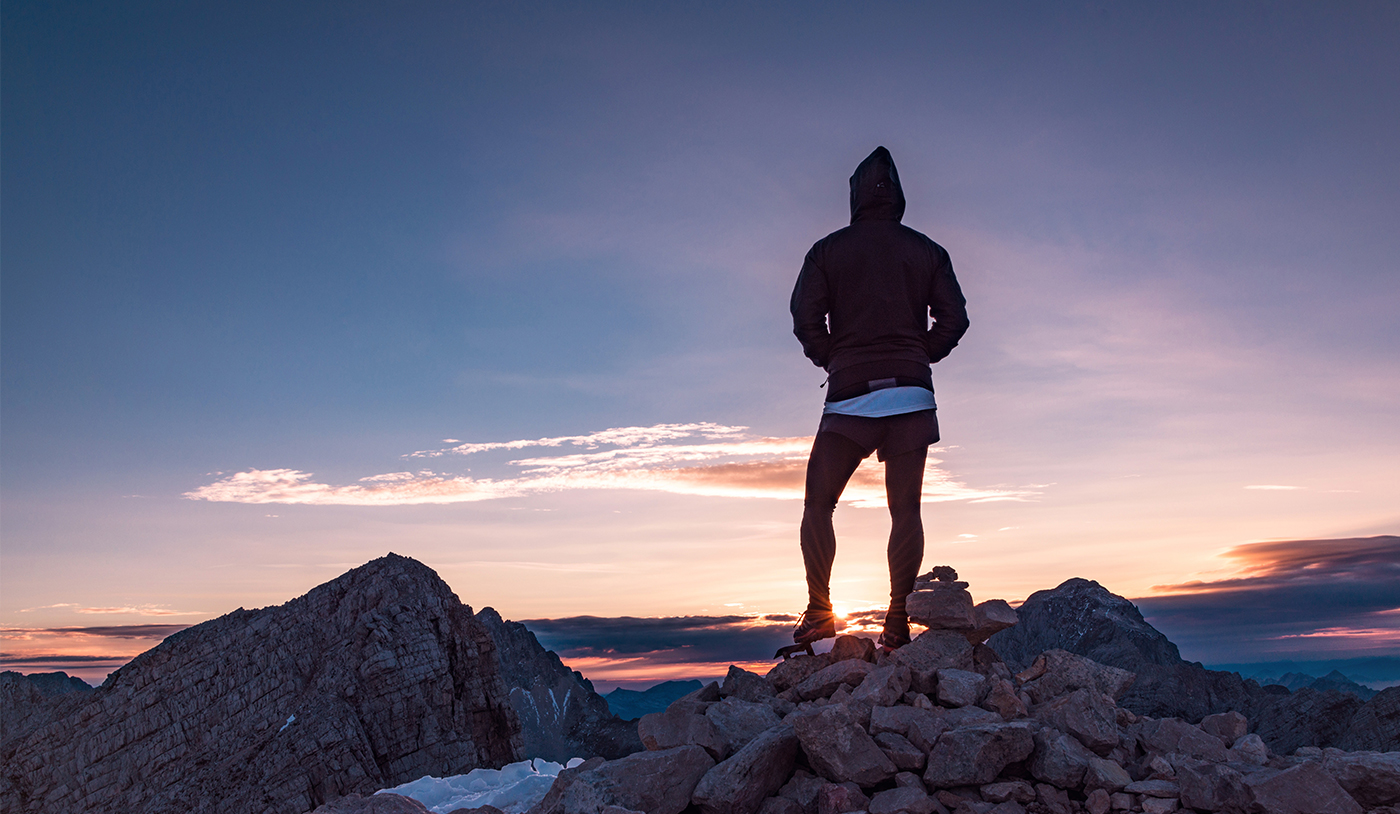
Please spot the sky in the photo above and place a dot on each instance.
(503, 287)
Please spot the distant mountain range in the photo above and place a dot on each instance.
(629, 705)
(382, 676)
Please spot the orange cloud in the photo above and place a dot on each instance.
(731, 464)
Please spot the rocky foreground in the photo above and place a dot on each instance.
(942, 725)
(382, 676)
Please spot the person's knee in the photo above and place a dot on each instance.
(904, 513)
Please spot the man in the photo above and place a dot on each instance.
(861, 309)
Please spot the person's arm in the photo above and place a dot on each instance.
(809, 308)
(948, 309)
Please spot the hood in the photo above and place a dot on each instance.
(875, 190)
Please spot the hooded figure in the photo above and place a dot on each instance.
(875, 305)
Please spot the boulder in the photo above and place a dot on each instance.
(1250, 749)
(969, 716)
(1227, 726)
(960, 688)
(780, 805)
(976, 755)
(739, 784)
(824, 682)
(942, 606)
(931, 651)
(1373, 778)
(696, 701)
(1098, 801)
(839, 748)
(1056, 672)
(659, 782)
(853, 647)
(1052, 800)
(739, 722)
(746, 686)
(920, 726)
(1086, 714)
(1303, 789)
(1101, 773)
(1002, 699)
(1059, 759)
(902, 801)
(883, 686)
(677, 727)
(988, 618)
(1212, 786)
(802, 789)
(839, 798)
(793, 671)
(1171, 735)
(1154, 788)
(1014, 790)
(904, 755)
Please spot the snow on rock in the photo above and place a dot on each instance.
(513, 788)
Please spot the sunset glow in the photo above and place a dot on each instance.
(287, 287)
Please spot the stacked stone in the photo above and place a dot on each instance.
(942, 725)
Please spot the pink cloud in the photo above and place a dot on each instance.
(731, 464)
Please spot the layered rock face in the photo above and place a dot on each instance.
(943, 725)
(30, 701)
(376, 678)
(1082, 617)
(561, 716)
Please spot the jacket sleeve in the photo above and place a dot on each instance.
(947, 307)
(809, 309)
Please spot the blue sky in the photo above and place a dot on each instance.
(320, 238)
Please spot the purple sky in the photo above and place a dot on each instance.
(504, 288)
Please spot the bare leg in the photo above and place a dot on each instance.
(833, 460)
(904, 486)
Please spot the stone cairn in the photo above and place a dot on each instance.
(942, 725)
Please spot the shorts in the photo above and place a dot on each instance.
(891, 435)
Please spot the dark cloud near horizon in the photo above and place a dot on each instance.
(110, 631)
(1289, 593)
(10, 659)
(1295, 598)
(669, 639)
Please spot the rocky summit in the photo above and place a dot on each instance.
(1082, 617)
(945, 725)
(376, 678)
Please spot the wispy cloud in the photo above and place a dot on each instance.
(703, 459)
(1272, 487)
(130, 610)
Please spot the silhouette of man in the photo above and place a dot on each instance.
(862, 309)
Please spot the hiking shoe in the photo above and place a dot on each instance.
(814, 625)
(895, 634)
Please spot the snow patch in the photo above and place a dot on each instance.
(513, 788)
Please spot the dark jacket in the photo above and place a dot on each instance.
(863, 299)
